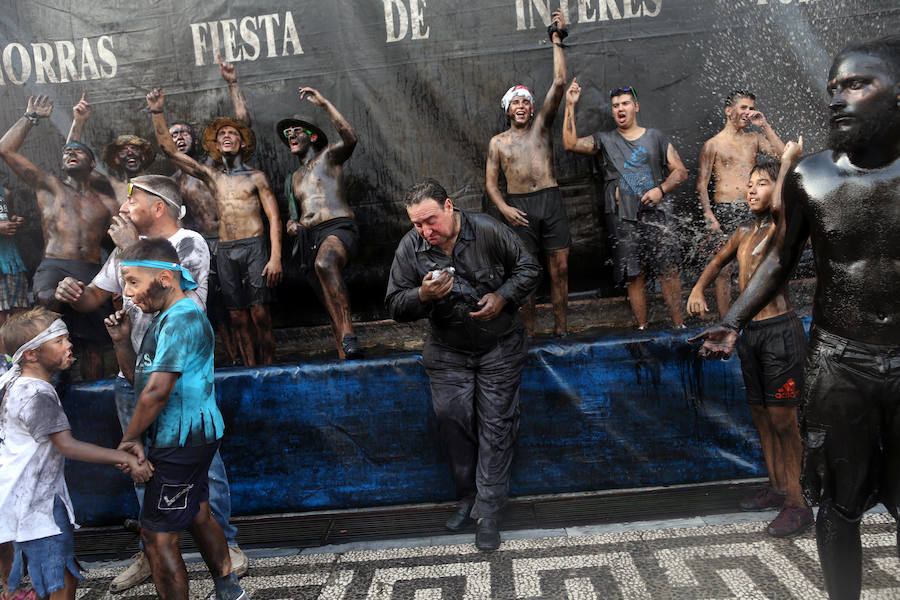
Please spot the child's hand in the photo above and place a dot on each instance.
(140, 473)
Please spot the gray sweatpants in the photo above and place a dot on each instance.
(476, 402)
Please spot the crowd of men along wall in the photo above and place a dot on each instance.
(421, 85)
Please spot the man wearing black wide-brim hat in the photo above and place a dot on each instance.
(246, 268)
(321, 218)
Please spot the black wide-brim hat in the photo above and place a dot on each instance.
(209, 137)
(148, 152)
(298, 121)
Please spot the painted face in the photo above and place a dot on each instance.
(759, 191)
(624, 110)
(863, 101)
(181, 135)
(434, 222)
(229, 140)
(740, 112)
(55, 355)
(299, 139)
(76, 159)
(139, 208)
(142, 285)
(129, 158)
(520, 110)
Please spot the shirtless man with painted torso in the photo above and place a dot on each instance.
(245, 274)
(327, 235)
(726, 159)
(74, 220)
(524, 153)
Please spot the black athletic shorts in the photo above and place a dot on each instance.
(772, 353)
(648, 245)
(180, 483)
(850, 424)
(730, 215)
(548, 225)
(215, 308)
(240, 264)
(310, 238)
(83, 327)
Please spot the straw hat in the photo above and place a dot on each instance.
(209, 137)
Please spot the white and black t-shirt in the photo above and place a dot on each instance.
(31, 468)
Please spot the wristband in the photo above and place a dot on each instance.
(553, 27)
(732, 327)
(155, 111)
(661, 190)
(33, 118)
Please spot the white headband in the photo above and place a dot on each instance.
(56, 329)
(515, 92)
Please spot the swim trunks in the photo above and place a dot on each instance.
(548, 225)
(240, 264)
(772, 353)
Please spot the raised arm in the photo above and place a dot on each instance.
(229, 74)
(571, 141)
(557, 88)
(156, 103)
(39, 107)
(338, 153)
(771, 144)
(81, 112)
(272, 270)
(704, 174)
(790, 156)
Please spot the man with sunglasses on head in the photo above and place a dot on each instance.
(533, 204)
(152, 208)
(640, 166)
(74, 220)
(727, 159)
(321, 218)
(242, 194)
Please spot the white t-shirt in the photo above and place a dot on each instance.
(193, 254)
(31, 468)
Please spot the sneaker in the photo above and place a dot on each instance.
(239, 561)
(350, 346)
(793, 520)
(763, 499)
(137, 573)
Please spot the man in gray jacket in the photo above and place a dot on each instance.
(468, 274)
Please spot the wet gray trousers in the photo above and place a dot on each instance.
(476, 402)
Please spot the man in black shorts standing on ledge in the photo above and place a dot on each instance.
(533, 205)
(640, 166)
(327, 235)
(847, 200)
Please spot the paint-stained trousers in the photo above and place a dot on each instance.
(476, 402)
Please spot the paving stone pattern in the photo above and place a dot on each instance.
(732, 561)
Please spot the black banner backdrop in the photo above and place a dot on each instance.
(421, 81)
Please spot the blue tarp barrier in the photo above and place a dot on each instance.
(622, 411)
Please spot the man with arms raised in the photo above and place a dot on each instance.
(640, 166)
(467, 274)
(74, 219)
(533, 205)
(727, 158)
(847, 200)
(152, 208)
(327, 235)
(245, 274)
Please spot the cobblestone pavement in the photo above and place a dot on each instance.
(687, 559)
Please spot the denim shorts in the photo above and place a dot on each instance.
(48, 558)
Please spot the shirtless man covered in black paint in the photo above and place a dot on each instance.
(74, 220)
(533, 206)
(847, 199)
(245, 274)
(327, 235)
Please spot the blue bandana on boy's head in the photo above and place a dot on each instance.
(82, 147)
(187, 280)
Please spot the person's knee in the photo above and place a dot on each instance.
(784, 420)
(238, 318)
(159, 543)
(260, 314)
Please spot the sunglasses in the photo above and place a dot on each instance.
(623, 90)
(131, 188)
(295, 131)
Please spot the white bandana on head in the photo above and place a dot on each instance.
(56, 329)
(516, 91)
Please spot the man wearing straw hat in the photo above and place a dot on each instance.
(327, 235)
(246, 269)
